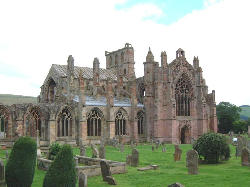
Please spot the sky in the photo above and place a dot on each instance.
(34, 34)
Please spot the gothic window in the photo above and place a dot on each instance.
(51, 90)
(140, 118)
(122, 57)
(183, 94)
(64, 123)
(94, 123)
(120, 124)
(33, 123)
(3, 121)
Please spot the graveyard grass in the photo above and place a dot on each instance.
(228, 173)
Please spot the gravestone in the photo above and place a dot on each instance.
(83, 180)
(95, 153)
(176, 185)
(164, 149)
(102, 151)
(177, 153)
(192, 162)
(111, 180)
(245, 157)
(135, 158)
(2, 175)
(105, 168)
(82, 150)
(153, 147)
(157, 145)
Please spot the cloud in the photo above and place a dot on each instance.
(37, 34)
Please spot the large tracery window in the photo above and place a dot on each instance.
(94, 122)
(64, 124)
(140, 118)
(3, 122)
(183, 93)
(33, 122)
(120, 124)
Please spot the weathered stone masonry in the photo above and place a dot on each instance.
(169, 103)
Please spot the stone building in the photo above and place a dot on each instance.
(169, 103)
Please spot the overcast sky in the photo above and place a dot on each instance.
(35, 34)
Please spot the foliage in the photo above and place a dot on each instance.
(20, 167)
(62, 172)
(212, 147)
(54, 150)
(227, 113)
(241, 126)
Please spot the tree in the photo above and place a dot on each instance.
(212, 147)
(62, 172)
(227, 114)
(20, 167)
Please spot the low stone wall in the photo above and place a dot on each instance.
(93, 167)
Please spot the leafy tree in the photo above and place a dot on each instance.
(227, 114)
(54, 149)
(62, 172)
(20, 167)
(212, 147)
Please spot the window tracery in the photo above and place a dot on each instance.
(33, 122)
(3, 122)
(183, 95)
(140, 119)
(94, 123)
(64, 123)
(120, 124)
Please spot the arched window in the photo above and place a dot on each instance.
(140, 118)
(51, 90)
(64, 123)
(94, 123)
(3, 121)
(120, 124)
(122, 57)
(33, 122)
(183, 93)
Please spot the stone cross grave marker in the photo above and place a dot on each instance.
(135, 158)
(95, 153)
(192, 162)
(83, 180)
(102, 151)
(177, 153)
(105, 168)
(245, 157)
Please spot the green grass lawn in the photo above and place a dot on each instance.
(228, 173)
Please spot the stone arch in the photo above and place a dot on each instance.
(95, 121)
(65, 123)
(140, 117)
(121, 122)
(183, 95)
(33, 121)
(4, 121)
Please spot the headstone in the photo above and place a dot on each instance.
(135, 158)
(102, 151)
(176, 185)
(164, 149)
(157, 145)
(245, 157)
(177, 154)
(192, 162)
(95, 153)
(82, 150)
(83, 180)
(128, 160)
(111, 180)
(105, 168)
(2, 175)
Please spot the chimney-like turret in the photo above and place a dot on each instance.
(164, 62)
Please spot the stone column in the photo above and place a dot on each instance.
(83, 124)
(52, 129)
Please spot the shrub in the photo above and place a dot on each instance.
(20, 167)
(54, 150)
(212, 147)
(62, 172)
